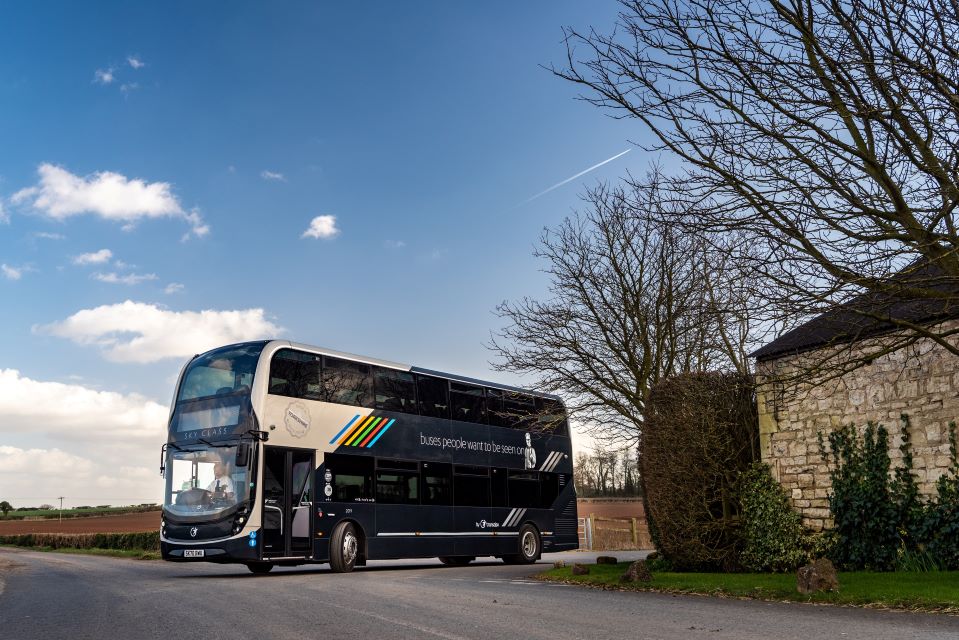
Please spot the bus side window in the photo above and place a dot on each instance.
(352, 477)
(397, 481)
(437, 483)
(470, 486)
(518, 409)
(548, 488)
(467, 402)
(295, 374)
(494, 405)
(523, 489)
(394, 390)
(433, 396)
(347, 382)
(551, 417)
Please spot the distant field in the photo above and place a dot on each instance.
(73, 513)
(122, 523)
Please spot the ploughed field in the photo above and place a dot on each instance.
(122, 523)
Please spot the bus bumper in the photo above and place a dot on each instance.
(231, 550)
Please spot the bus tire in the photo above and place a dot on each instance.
(530, 545)
(457, 561)
(344, 548)
(259, 568)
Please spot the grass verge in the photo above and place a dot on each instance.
(933, 591)
(143, 546)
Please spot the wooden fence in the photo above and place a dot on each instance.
(613, 534)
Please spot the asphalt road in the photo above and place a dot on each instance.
(49, 595)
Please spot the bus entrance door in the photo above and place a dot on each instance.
(287, 502)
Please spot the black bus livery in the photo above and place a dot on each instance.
(283, 454)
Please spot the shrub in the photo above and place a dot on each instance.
(700, 432)
(773, 535)
(866, 518)
(143, 541)
(882, 523)
(939, 530)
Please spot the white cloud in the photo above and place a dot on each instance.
(127, 87)
(4, 216)
(43, 462)
(11, 273)
(321, 227)
(141, 332)
(97, 257)
(272, 175)
(49, 236)
(60, 195)
(103, 76)
(173, 287)
(135, 62)
(97, 441)
(394, 244)
(75, 412)
(128, 279)
(199, 229)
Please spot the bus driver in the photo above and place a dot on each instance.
(222, 485)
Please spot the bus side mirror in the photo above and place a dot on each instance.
(242, 455)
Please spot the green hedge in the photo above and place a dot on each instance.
(772, 532)
(700, 431)
(144, 541)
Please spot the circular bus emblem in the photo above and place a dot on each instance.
(297, 419)
(193, 532)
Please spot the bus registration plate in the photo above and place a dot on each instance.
(193, 553)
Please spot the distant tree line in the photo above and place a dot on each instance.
(606, 474)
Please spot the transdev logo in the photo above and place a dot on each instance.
(363, 432)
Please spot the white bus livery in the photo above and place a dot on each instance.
(282, 454)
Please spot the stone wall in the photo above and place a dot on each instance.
(921, 381)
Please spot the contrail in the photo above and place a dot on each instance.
(581, 173)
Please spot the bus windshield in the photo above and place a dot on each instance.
(220, 372)
(204, 480)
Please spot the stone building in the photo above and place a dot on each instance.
(921, 380)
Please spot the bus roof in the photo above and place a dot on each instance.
(406, 367)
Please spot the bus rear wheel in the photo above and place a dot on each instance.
(529, 547)
(457, 561)
(259, 568)
(344, 547)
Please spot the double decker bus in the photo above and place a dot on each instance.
(280, 453)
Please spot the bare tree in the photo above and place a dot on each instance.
(584, 475)
(606, 473)
(631, 302)
(825, 132)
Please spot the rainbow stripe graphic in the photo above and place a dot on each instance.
(363, 432)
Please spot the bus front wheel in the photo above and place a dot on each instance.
(529, 547)
(259, 568)
(344, 547)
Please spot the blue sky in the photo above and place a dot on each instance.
(196, 142)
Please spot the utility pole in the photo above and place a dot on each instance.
(60, 514)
